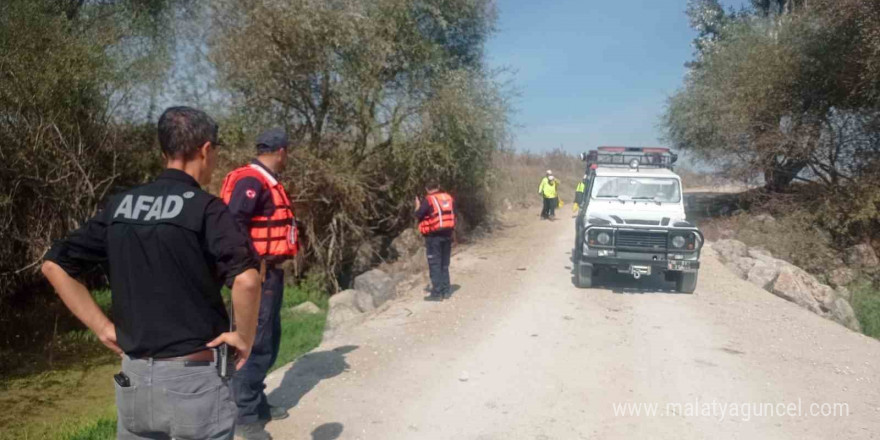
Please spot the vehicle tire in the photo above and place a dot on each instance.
(584, 276)
(576, 252)
(686, 282)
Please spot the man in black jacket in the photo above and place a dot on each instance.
(169, 247)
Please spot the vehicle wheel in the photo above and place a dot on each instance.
(576, 252)
(584, 276)
(686, 282)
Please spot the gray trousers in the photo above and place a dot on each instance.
(168, 399)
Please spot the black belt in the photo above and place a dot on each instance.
(203, 358)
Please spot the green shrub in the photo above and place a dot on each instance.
(866, 303)
(102, 429)
(64, 68)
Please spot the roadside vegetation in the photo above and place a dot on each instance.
(378, 96)
(787, 93)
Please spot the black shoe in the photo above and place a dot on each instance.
(434, 298)
(278, 413)
(447, 295)
(252, 431)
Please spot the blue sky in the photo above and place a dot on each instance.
(591, 72)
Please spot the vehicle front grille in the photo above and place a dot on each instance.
(647, 240)
(643, 222)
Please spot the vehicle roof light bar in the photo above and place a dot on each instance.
(655, 157)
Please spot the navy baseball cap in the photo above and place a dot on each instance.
(272, 139)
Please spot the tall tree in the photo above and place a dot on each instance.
(381, 94)
(70, 73)
(782, 97)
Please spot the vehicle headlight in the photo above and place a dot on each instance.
(678, 241)
(603, 238)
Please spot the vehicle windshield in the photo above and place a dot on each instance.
(663, 190)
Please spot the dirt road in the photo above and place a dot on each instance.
(520, 353)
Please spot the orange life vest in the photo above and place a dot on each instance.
(275, 235)
(442, 216)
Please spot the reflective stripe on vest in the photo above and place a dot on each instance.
(275, 235)
(442, 216)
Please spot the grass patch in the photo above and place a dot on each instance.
(866, 304)
(48, 404)
(77, 402)
(299, 334)
(102, 428)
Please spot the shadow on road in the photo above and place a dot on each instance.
(307, 372)
(327, 431)
(626, 284)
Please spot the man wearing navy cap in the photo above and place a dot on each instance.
(259, 203)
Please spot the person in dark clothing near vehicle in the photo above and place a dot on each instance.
(261, 206)
(169, 247)
(436, 215)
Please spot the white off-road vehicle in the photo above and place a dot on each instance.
(633, 220)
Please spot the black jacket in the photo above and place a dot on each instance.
(169, 247)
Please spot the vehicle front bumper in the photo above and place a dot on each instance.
(624, 263)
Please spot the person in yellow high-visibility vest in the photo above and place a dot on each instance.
(548, 190)
(579, 194)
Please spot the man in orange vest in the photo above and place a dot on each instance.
(436, 215)
(261, 206)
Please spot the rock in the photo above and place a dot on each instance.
(367, 255)
(811, 294)
(790, 282)
(363, 301)
(841, 276)
(407, 243)
(742, 266)
(789, 286)
(726, 234)
(730, 250)
(341, 315)
(862, 256)
(306, 307)
(842, 312)
(762, 255)
(343, 311)
(377, 284)
(764, 219)
(763, 274)
(346, 297)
